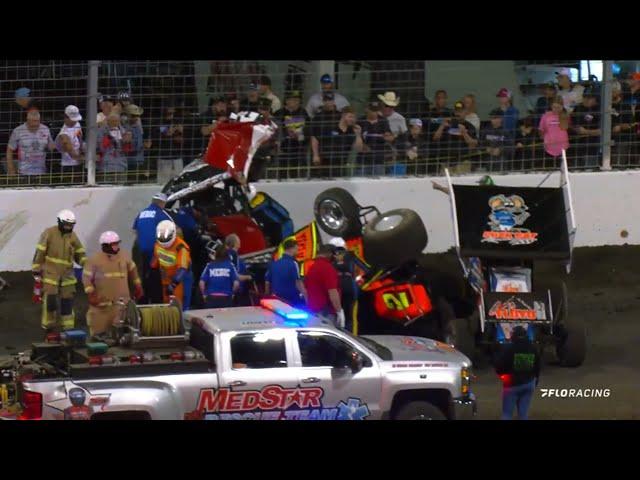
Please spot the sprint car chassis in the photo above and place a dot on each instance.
(501, 232)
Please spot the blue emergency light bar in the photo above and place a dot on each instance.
(284, 310)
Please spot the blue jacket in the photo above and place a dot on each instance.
(145, 226)
(282, 275)
(218, 278)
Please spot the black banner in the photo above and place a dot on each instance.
(512, 222)
(516, 307)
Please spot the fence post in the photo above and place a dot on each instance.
(605, 108)
(92, 114)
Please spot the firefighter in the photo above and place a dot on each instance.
(56, 251)
(172, 256)
(106, 278)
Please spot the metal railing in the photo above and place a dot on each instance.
(144, 120)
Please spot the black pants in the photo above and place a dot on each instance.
(212, 301)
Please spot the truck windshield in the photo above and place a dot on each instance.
(383, 352)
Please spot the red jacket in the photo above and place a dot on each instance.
(321, 277)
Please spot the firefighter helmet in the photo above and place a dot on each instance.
(66, 221)
(109, 237)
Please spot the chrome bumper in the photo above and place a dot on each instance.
(465, 408)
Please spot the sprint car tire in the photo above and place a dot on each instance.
(571, 348)
(338, 213)
(419, 410)
(394, 237)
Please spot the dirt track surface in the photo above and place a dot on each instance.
(604, 288)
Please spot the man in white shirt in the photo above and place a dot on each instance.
(315, 101)
(264, 87)
(69, 141)
(570, 92)
(397, 123)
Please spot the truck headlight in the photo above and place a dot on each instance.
(465, 380)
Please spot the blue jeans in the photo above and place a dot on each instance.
(519, 396)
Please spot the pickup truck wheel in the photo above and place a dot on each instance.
(338, 213)
(572, 340)
(419, 410)
(394, 237)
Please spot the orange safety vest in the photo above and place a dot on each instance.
(171, 259)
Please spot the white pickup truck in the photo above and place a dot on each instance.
(269, 362)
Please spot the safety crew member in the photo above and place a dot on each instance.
(232, 242)
(56, 251)
(172, 257)
(283, 276)
(145, 226)
(518, 366)
(219, 278)
(345, 263)
(106, 278)
(323, 286)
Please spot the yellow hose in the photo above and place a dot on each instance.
(161, 320)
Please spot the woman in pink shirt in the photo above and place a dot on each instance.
(553, 128)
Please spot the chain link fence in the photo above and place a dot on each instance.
(334, 118)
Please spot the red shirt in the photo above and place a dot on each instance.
(321, 277)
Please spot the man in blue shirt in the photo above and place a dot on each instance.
(283, 276)
(219, 280)
(232, 242)
(188, 219)
(145, 231)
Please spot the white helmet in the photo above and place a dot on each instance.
(166, 233)
(338, 242)
(66, 216)
(109, 237)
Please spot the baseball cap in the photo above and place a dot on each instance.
(496, 112)
(504, 93)
(564, 71)
(458, 105)
(415, 122)
(549, 85)
(328, 96)
(326, 78)
(73, 113)
(253, 86)
(216, 99)
(160, 196)
(105, 98)
(293, 94)
(23, 92)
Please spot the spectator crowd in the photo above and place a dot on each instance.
(326, 138)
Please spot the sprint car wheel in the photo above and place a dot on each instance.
(338, 213)
(394, 237)
(419, 410)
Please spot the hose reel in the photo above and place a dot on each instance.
(152, 325)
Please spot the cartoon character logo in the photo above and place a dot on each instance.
(507, 216)
(78, 410)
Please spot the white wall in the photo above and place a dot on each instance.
(605, 204)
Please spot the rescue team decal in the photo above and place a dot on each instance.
(274, 402)
(79, 404)
(507, 216)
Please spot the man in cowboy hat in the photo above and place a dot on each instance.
(397, 123)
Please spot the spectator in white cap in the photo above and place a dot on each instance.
(571, 93)
(416, 148)
(316, 100)
(510, 113)
(69, 143)
(397, 123)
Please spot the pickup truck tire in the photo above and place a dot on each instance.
(394, 237)
(338, 213)
(419, 410)
(571, 348)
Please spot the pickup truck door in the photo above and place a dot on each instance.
(257, 377)
(351, 396)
